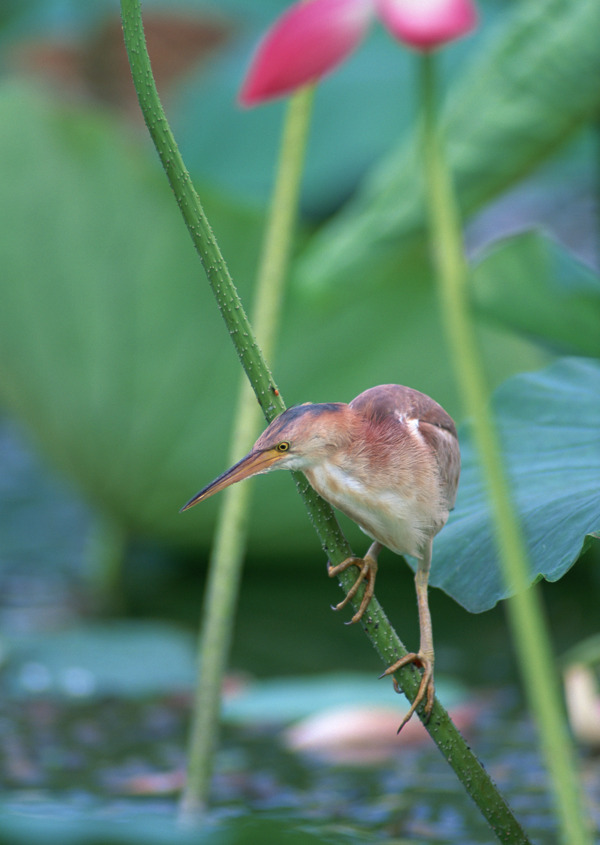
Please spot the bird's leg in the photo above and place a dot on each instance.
(368, 571)
(425, 656)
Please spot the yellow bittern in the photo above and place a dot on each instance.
(390, 461)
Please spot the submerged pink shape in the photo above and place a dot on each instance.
(426, 24)
(310, 39)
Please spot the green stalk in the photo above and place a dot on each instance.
(106, 552)
(227, 555)
(525, 613)
(375, 624)
(206, 246)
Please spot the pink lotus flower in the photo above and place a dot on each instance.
(313, 37)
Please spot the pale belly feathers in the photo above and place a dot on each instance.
(402, 523)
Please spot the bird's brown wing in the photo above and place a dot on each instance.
(387, 400)
(435, 425)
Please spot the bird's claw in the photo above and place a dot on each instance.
(368, 570)
(426, 687)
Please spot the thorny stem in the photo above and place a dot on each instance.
(375, 623)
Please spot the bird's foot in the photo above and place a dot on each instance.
(426, 687)
(368, 571)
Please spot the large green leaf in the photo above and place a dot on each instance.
(112, 350)
(549, 425)
(534, 285)
(529, 88)
(110, 341)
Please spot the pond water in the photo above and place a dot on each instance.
(112, 759)
(118, 759)
(101, 741)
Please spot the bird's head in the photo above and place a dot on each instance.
(297, 439)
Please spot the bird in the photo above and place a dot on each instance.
(390, 460)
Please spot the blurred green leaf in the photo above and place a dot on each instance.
(127, 659)
(287, 699)
(141, 659)
(61, 826)
(114, 355)
(549, 425)
(109, 335)
(535, 286)
(585, 651)
(528, 90)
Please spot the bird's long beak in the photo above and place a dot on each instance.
(253, 464)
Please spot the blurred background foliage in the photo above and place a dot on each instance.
(115, 368)
(111, 351)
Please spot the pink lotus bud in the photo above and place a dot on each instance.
(310, 39)
(426, 24)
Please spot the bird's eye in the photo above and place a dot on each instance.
(283, 446)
